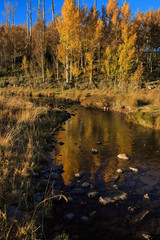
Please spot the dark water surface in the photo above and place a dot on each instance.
(138, 216)
(83, 131)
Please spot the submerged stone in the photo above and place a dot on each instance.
(95, 151)
(133, 169)
(146, 236)
(123, 197)
(77, 191)
(93, 194)
(106, 200)
(79, 175)
(85, 185)
(84, 219)
(123, 156)
(92, 214)
(54, 175)
(69, 217)
(38, 197)
(119, 170)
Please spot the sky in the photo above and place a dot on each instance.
(21, 15)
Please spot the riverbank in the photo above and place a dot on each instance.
(27, 125)
(141, 107)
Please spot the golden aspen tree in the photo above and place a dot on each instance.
(52, 40)
(129, 72)
(38, 47)
(93, 35)
(126, 49)
(110, 55)
(68, 27)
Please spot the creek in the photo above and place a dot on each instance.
(110, 135)
(138, 216)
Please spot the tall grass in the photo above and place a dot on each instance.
(24, 130)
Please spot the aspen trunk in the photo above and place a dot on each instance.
(42, 59)
(44, 11)
(57, 70)
(67, 79)
(27, 22)
(53, 17)
(30, 10)
(71, 70)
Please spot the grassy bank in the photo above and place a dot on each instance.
(25, 130)
(141, 107)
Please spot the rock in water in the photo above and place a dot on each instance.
(133, 169)
(106, 200)
(79, 175)
(146, 196)
(84, 219)
(77, 191)
(95, 151)
(93, 194)
(69, 217)
(146, 236)
(119, 170)
(85, 185)
(122, 197)
(123, 156)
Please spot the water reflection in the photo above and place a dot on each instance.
(83, 131)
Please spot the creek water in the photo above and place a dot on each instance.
(110, 135)
(138, 217)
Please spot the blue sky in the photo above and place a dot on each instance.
(20, 17)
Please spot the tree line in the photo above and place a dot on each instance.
(107, 48)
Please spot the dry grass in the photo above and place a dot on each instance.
(24, 129)
(142, 105)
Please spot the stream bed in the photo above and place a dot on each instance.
(126, 204)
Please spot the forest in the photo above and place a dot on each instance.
(81, 48)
